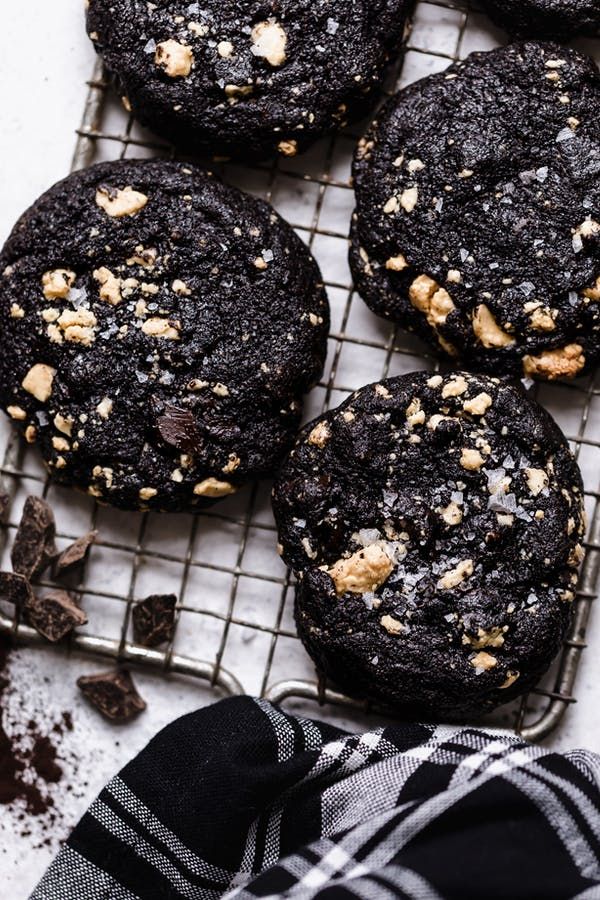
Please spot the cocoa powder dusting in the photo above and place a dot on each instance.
(25, 773)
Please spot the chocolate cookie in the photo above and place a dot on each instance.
(247, 78)
(555, 19)
(158, 332)
(477, 222)
(434, 523)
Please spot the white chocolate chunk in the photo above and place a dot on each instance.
(269, 41)
(181, 288)
(428, 297)
(452, 514)
(409, 199)
(471, 459)
(319, 435)
(564, 362)
(396, 263)
(487, 331)
(104, 408)
(60, 444)
(174, 59)
(455, 387)
(483, 660)
(77, 325)
(120, 202)
(537, 480)
(288, 148)
(38, 381)
(392, 625)
(541, 319)
(453, 577)
(63, 424)
(232, 464)
(161, 328)
(364, 571)
(478, 405)
(212, 487)
(511, 677)
(57, 283)
(225, 49)
(493, 637)
(110, 286)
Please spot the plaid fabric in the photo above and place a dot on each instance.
(241, 801)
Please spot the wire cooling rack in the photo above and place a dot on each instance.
(234, 614)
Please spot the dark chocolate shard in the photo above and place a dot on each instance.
(55, 614)
(113, 694)
(154, 620)
(179, 428)
(34, 546)
(75, 554)
(15, 589)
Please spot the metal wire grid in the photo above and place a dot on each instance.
(535, 715)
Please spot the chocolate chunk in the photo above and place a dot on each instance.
(154, 620)
(113, 694)
(178, 428)
(15, 589)
(34, 546)
(75, 554)
(55, 615)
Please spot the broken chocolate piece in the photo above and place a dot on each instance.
(34, 546)
(113, 694)
(75, 554)
(154, 620)
(15, 589)
(55, 615)
(178, 428)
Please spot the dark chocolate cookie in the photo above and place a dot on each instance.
(555, 19)
(158, 332)
(434, 523)
(247, 78)
(477, 220)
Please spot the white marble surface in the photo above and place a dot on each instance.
(44, 62)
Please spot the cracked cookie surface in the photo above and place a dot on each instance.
(435, 526)
(555, 19)
(159, 330)
(477, 221)
(247, 78)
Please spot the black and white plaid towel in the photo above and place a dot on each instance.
(241, 800)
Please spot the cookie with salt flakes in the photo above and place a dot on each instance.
(434, 524)
(247, 78)
(477, 221)
(553, 19)
(159, 331)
